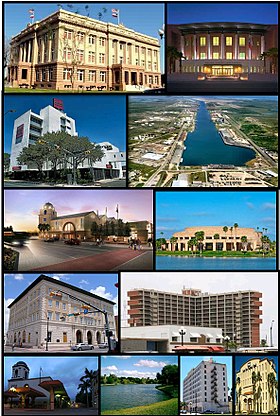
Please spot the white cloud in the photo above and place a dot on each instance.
(101, 291)
(84, 282)
(150, 363)
(135, 373)
(19, 277)
(110, 368)
(56, 277)
(268, 205)
(7, 302)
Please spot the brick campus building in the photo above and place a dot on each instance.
(66, 50)
(222, 49)
(237, 313)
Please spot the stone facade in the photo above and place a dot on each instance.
(206, 388)
(216, 239)
(222, 49)
(66, 50)
(35, 312)
(237, 313)
(246, 403)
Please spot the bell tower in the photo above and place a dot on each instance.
(20, 370)
(47, 213)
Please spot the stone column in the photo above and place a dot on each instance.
(236, 46)
(51, 399)
(262, 44)
(194, 46)
(250, 48)
(222, 46)
(225, 245)
(208, 46)
(29, 50)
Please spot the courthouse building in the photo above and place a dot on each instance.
(216, 239)
(36, 316)
(237, 313)
(206, 388)
(66, 50)
(30, 126)
(223, 48)
(257, 375)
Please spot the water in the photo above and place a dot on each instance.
(129, 395)
(215, 263)
(205, 146)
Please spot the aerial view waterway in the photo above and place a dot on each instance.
(130, 395)
(204, 146)
(172, 262)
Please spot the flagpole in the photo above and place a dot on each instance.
(118, 17)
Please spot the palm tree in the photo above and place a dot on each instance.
(259, 392)
(173, 240)
(231, 230)
(225, 230)
(254, 381)
(272, 385)
(88, 381)
(235, 226)
(199, 235)
(192, 243)
(84, 386)
(173, 54)
(216, 236)
(244, 242)
(263, 57)
(272, 54)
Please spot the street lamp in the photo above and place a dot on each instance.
(47, 339)
(271, 325)
(227, 339)
(182, 332)
(10, 111)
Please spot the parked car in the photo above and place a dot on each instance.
(103, 345)
(82, 347)
(72, 242)
(49, 240)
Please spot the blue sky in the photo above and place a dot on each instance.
(187, 363)
(253, 12)
(240, 360)
(22, 206)
(177, 210)
(103, 118)
(144, 18)
(68, 370)
(136, 366)
(100, 284)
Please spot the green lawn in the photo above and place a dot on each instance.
(48, 91)
(166, 407)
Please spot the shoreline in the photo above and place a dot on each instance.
(211, 254)
(231, 142)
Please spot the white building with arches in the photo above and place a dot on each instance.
(36, 316)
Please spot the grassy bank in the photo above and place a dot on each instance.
(166, 407)
(215, 254)
(170, 391)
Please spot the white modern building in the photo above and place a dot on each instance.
(36, 316)
(29, 127)
(165, 338)
(206, 388)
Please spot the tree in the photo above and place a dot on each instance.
(225, 230)
(89, 379)
(33, 155)
(244, 242)
(7, 158)
(84, 387)
(172, 55)
(258, 391)
(192, 243)
(238, 394)
(272, 385)
(199, 235)
(160, 242)
(272, 54)
(231, 230)
(173, 240)
(169, 375)
(235, 226)
(95, 229)
(254, 381)
(6, 54)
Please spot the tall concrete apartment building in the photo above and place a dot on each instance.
(223, 48)
(206, 388)
(257, 374)
(30, 126)
(216, 239)
(35, 315)
(66, 50)
(237, 313)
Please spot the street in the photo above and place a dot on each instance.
(80, 411)
(224, 86)
(106, 183)
(54, 349)
(37, 255)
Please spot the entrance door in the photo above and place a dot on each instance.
(217, 70)
(64, 336)
(89, 338)
(79, 337)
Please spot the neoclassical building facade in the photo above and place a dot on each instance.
(222, 48)
(257, 375)
(66, 50)
(36, 315)
(216, 239)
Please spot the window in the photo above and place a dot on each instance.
(228, 55)
(52, 54)
(92, 76)
(75, 309)
(102, 76)
(50, 74)
(67, 72)
(80, 36)
(136, 61)
(57, 316)
(121, 46)
(192, 339)
(242, 41)
(38, 73)
(228, 41)
(24, 73)
(202, 40)
(80, 75)
(57, 304)
(216, 40)
(50, 302)
(136, 49)
(67, 34)
(113, 59)
(202, 55)
(242, 55)
(91, 39)
(155, 66)
(50, 315)
(64, 306)
(91, 57)
(80, 55)
(150, 79)
(216, 55)
(102, 58)
(101, 41)
(121, 59)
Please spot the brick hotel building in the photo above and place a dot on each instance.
(66, 50)
(237, 313)
(222, 49)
